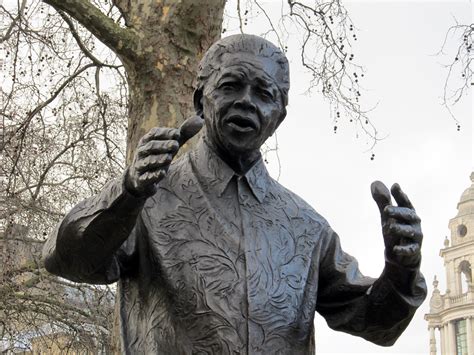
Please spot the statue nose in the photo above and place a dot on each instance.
(246, 100)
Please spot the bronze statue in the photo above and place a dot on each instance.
(213, 256)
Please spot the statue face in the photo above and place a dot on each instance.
(242, 105)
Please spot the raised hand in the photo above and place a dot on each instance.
(154, 154)
(401, 226)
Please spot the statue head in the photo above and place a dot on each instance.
(242, 92)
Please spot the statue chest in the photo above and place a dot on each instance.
(243, 274)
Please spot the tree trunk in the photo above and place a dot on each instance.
(161, 79)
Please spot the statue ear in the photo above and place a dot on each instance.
(281, 118)
(197, 98)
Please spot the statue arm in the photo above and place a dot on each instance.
(377, 310)
(96, 240)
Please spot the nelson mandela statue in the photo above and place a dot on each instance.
(213, 256)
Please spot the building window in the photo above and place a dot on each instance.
(462, 230)
(465, 272)
(461, 337)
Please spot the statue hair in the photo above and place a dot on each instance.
(245, 43)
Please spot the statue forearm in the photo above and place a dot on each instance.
(376, 310)
(392, 302)
(83, 247)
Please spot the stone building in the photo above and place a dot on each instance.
(452, 313)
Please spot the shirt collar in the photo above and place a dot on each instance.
(217, 174)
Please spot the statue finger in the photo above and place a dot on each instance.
(405, 231)
(407, 249)
(160, 133)
(158, 147)
(403, 214)
(151, 177)
(153, 162)
(401, 198)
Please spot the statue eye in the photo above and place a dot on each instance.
(229, 86)
(266, 95)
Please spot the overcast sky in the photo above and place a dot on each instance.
(423, 150)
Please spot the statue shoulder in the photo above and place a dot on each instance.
(297, 205)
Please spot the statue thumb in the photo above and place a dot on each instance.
(190, 128)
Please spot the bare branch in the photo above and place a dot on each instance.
(78, 39)
(270, 23)
(121, 40)
(459, 79)
(52, 97)
(239, 14)
(124, 8)
(10, 28)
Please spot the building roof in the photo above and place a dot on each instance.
(468, 194)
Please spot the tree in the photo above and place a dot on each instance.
(82, 78)
(59, 145)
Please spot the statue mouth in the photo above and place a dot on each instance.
(241, 123)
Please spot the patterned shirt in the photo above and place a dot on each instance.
(217, 263)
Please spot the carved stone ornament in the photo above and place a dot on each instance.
(436, 301)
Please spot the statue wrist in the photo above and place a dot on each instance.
(134, 191)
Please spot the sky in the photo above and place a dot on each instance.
(423, 151)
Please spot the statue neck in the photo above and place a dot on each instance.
(240, 162)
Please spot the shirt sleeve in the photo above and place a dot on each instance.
(96, 241)
(377, 310)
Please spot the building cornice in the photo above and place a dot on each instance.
(457, 247)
